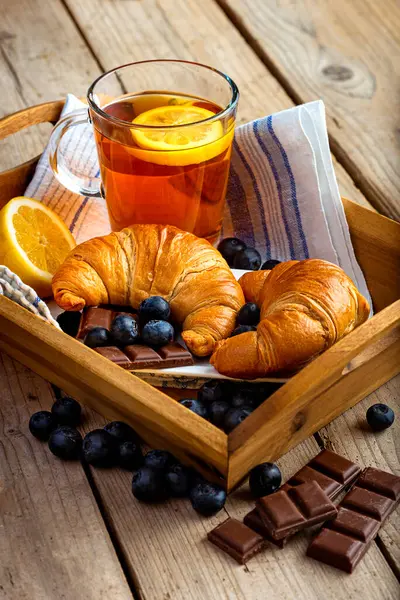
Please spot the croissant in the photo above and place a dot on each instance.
(140, 261)
(306, 306)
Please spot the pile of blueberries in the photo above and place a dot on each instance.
(157, 474)
(227, 404)
(152, 327)
(240, 256)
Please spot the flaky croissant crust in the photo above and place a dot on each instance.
(306, 306)
(140, 261)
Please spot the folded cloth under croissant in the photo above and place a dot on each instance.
(282, 197)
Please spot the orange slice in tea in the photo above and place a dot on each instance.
(181, 146)
(34, 241)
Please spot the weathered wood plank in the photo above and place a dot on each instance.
(351, 436)
(346, 53)
(53, 541)
(125, 30)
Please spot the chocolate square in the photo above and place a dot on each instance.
(368, 503)
(236, 539)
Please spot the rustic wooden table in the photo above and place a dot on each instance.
(69, 532)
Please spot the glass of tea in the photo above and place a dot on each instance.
(163, 132)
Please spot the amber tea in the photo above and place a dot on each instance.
(171, 167)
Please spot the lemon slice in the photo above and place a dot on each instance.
(183, 145)
(34, 241)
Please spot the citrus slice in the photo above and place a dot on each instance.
(173, 145)
(34, 241)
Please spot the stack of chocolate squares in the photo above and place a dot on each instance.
(306, 500)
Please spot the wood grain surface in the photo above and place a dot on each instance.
(53, 541)
(44, 54)
(347, 53)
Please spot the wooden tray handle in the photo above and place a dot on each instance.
(14, 181)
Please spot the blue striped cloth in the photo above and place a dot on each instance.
(282, 199)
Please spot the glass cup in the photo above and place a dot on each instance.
(163, 131)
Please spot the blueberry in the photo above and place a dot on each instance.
(195, 406)
(380, 417)
(249, 314)
(270, 264)
(66, 411)
(211, 391)
(124, 330)
(264, 479)
(122, 432)
(148, 485)
(69, 322)
(249, 259)
(242, 397)
(229, 248)
(159, 460)
(154, 308)
(262, 391)
(130, 455)
(96, 337)
(234, 417)
(243, 329)
(65, 442)
(158, 333)
(99, 448)
(41, 424)
(178, 480)
(217, 411)
(207, 498)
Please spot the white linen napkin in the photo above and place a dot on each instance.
(282, 199)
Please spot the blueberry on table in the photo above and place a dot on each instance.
(249, 259)
(211, 391)
(41, 424)
(269, 265)
(265, 479)
(122, 432)
(243, 329)
(154, 308)
(249, 314)
(130, 455)
(66, 411)
(148, 485)
(207, 498)
(158, 333)
(69, 322)
(217, 411)
(65, 442)
(159, 460)
(195, 406)
(380, 417)
(178, 480)
(124, 330)
(235, 416)
(229, 247)
(97, 337)
(99, 448)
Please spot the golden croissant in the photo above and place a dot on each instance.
(140, 261)
(306, 306)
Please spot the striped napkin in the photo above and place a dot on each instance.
(282, 199)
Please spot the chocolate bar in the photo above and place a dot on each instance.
(142, 357)
(237, 540)
(136, 356)
(343, 542)
(288, 511)
(331, 471)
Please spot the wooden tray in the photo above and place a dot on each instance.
(331, 384)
